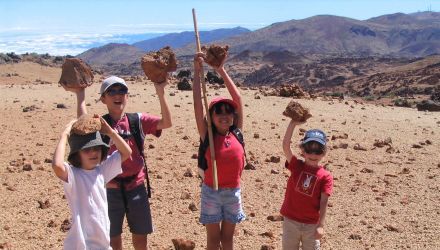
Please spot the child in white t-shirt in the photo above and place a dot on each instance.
(84, 178)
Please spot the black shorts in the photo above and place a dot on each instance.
(135, 205)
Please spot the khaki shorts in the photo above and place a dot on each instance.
(296, 234)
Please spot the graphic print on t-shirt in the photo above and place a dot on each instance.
(306, 183)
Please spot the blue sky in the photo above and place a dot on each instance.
(83, 23)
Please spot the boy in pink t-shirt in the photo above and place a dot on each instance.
(308, 189)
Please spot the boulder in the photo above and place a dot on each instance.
(76, 74)
(156, 65)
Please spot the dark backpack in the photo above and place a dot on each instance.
(133, 122)
(204, 145)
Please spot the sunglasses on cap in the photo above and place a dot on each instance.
(313, 148)
(113, 92)
(217, 108)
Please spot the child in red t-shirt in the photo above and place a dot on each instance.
(308, 189)
(221, 209)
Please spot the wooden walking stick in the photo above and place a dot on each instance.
(208, 117)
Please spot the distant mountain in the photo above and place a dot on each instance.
(394, 35)
(409, 35)
(112, 53)
(177, 40)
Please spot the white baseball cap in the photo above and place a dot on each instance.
(110, 81)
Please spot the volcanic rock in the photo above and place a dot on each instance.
(76, 74)
(297, 112)
(181, 244)
(156, 65)
(215, 55)
(86, 124)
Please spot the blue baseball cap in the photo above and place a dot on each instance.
(315, 135)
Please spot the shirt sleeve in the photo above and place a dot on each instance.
(327, 186)
(292, 164)
(70, 177)
(149, 124)
(111, 166)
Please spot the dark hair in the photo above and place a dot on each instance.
(228, 107)
(75, 159)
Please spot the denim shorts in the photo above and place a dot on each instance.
(224, 204)
(133, 203)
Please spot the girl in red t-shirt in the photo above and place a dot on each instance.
(221, 209)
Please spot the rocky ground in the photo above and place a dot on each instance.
(385, 162)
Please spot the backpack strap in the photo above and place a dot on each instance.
(109, 120)
(135, 130)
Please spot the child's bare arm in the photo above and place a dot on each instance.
(123, 148)
(322, 212)
(287, 139)
(60, 150)
(165, 122)
(197, 96)
(234, 92)
(80, 99)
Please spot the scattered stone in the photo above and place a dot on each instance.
(52, 223)
(267, 247)
(61, 106)
(256, 135)
(181, 244)
(27, 167)
(47, 160)
(355, 237)
(392, 228)
(151, 146)
(357, 146)
(292, 90)
(268, 234)
(390, 150)
(273, 171)
(194, 156)
(188, 173)
(428, 105)
(30, 108)
(416, 146)
(65, 226)
(404, 171)
(275, 218)
(275, 159)
(6, 246)
(344, 136)
(249, 166)
(382, 143)
(192, 206)
(44, 205)
(184, 84)
(367, 170)
(185, 196)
